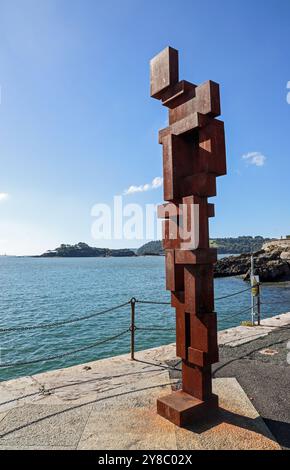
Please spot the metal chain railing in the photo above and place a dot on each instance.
(132, 329)
(227, 318)
(152, 302)
(235, 293)
(68, 353)
(217, 298)
(153, 328)
(64, 322)
(224, 318)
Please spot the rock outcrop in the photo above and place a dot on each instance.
(272, 264)
(82, 250)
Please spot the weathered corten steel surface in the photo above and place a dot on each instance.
(193, 156)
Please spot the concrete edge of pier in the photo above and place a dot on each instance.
(111, 404)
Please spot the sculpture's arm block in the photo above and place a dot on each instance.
(203, 331)
(174, 273)
(210, 210)
(178, 94)
(206, 101)
(171, 234)
(212, 150)
(195, 231)
(170, 225)
(163, 72)
(172, 149)
(182, 322)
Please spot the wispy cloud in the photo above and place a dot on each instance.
(3, 196)
(254, 158)
(156, 183)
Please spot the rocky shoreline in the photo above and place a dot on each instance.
(272, 263)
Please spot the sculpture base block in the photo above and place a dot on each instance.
(183, 409)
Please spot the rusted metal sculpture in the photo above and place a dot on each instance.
(193, 156)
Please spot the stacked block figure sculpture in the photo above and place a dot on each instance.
(193, 156)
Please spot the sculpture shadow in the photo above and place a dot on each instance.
(281, 431)
(223, 416)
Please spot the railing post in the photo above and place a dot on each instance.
(252, 280)
(255, 295)
(259, 305)
(132, 328)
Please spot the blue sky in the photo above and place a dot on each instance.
(77, 124)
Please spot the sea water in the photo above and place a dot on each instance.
(43, 290)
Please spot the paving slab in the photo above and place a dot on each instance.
(244, 334)
(43, 425)
(131, 422)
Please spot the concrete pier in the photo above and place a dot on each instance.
(111, 403)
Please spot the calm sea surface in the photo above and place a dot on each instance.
(35, 291)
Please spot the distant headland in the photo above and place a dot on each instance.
(243, 244)
(230, 245)
(82, 250)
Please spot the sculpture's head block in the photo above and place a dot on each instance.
(163, 72)
(181, 97)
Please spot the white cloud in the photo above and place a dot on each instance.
(254, 158)
(156, 183)
(3, 196)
